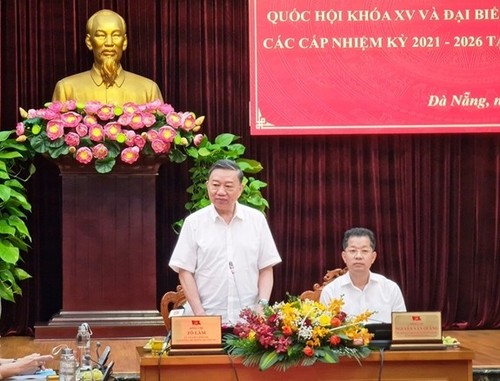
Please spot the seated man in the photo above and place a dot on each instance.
(360, 288)
(106, 81)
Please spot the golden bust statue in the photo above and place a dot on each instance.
(107, 81)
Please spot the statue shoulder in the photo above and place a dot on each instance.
(75, 78)
(138, 78)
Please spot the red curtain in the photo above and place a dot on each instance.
(433, 200)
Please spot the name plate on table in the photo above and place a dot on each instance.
(416, 330)
(194, 335)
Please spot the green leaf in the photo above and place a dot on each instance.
(20, 274)
(5, 192)
(20, 226)
(10, 155)
(6, 228)
(8, 252)
(177, 156)
(105, 165)
(4, 135)
(250, 165)
(268, 359)
(225, 140)
(203, 151)
(328, 355)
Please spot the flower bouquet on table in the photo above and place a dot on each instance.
(102, 134)
(298, 332)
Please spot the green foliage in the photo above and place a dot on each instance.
(14, 206)
(225, 146)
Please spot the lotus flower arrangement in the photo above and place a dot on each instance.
(298, 332)
(101, 134)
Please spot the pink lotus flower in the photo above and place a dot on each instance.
(84, 155)
(56, 106)
(82, 129)
(96, 133)
(92, 107)
(106, 112)
(152, 135)
(19, 129)
(198, 139)
(70, 105)
(174, 119)
(167, 134)
(100, 151)
(187, 121)
(166, 108)
(130, 155)
(130, 137)
(112, 130)
(139, 141)
(154, 105)
(48, 114)
(130, 108)
(125, 119)
(72, 139)
(90, 120)
(71, 119)
(159, 146)
(136, 121)
(55, 129)
(148, 119)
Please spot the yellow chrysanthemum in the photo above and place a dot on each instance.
(324, 320)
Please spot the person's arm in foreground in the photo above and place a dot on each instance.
(188, 284)
(265, 284)
(25, 365)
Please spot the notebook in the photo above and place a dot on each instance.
(416, 331)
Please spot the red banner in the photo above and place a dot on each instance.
(378, 67)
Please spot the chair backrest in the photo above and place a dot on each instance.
(170, 301)
(315, 293)
(175, 299)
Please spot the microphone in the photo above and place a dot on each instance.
(166, 344)
(231, 268)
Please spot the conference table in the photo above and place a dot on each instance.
(452, 364)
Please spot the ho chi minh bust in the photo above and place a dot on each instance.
(107, 81)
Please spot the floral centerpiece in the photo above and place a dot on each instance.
(298, 332)
(102, 134)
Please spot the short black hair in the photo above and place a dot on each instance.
(358, 232)
(227, 164)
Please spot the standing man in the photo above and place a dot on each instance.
(225, 253)
(360, 288)
(107, 81)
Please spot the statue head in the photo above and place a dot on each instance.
(107, 39)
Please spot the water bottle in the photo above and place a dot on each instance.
(83, 344)
(67, 365)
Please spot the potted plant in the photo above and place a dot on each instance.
(204, 153)
(15, 169)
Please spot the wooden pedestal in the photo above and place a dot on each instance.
(108, 252)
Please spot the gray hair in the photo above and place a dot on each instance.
(358, 232)
(226, 164)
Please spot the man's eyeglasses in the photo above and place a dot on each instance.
(354, 252)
